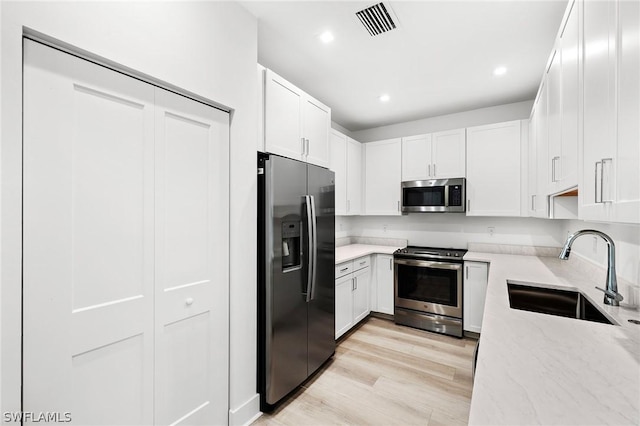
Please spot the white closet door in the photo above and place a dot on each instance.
(192, 274)
(88, 240)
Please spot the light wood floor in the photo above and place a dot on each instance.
(385, 374)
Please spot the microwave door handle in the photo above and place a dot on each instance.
(307, 201)
(446, 192)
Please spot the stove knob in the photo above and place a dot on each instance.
(456, 254)
(448, 254)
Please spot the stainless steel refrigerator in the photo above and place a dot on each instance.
(296, 268)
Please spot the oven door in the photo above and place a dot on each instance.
(428, 286)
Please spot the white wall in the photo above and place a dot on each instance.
(627, 242)
(457, 230)
(476, 117)
(208, 48)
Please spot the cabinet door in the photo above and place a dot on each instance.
(354, 177)
(532, 168)
(416, 158)
(361, 283)
(493, 170)
(384, 283)
(382, 177)
(338, 163)
(554, 128)
(475, 291)
(542, 148)
(627, 180)
(568, 166)
(283, 118)
(448, 154)
(599, 57)
(317, 124)
(344, 304)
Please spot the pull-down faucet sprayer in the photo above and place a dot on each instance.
(611, 295)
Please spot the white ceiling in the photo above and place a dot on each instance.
(439, 61)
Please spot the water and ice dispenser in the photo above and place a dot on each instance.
(291, 244)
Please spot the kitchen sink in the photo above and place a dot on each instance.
(552, 301)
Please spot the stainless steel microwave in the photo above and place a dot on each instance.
(436, 195)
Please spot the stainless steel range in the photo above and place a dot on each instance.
(428, 289)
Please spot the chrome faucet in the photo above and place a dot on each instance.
(611, 295)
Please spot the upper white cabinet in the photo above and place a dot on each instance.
(354, 177)
(493, 169)
(346, 162)
(382, 177)
(448, 153)
(295, 124)
(434, 156)
(609, 182)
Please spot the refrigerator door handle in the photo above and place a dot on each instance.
(314, 252)
(310, 236)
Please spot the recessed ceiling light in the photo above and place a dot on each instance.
(384, 98)
(500, 71)
(326, 37)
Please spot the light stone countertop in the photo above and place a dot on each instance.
(353, 251)
(542, 369)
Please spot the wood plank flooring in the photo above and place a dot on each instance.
(385, 374)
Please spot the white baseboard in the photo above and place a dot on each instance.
(247, 413)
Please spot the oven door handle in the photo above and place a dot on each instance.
(428, 264)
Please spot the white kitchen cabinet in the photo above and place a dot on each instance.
(609, 189)
(346, 162)
(384, 284)
(493, 169)
(353, 282)
(449, 154)
(554, 125)
(539, 148)
(434, 156)
(354, 177)
(338, 163)
(474, 294)
(416, 157)
(382, 177)
(295, 124)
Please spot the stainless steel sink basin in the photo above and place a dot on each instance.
(551, 301)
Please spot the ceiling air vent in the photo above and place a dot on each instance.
(377, 19)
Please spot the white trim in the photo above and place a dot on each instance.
(246, 413)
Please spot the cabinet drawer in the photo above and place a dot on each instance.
(344, 269)
(361, 262)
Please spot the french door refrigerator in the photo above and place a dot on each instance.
(296, 269)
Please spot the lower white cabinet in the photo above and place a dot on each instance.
(353, 280)
(384, 284)
(474, 294)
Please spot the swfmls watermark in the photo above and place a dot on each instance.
(36, 416)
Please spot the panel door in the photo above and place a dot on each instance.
(88, 240)
(344, 304)
(191, 262)
(283, 117)
(542, 152)
(354, 177)
(554, 124)
(382, 177)
(384, 279)
(475, 292)
(417, 163)
(532, 168)
(338, 163)
(627, 180)
(317, 124)
(569, 40)
(599, 57)
(493, 185)
(449, 154)
(362, 281)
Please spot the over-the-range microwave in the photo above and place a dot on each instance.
(435, 195)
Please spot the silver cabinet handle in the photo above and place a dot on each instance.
(398, 205)
(553, 169)
(303, 146)
(468, 205)
(466, 273)
(307, 147)
(608, 198)
(344, 269)
(390, 264)
(533, 203)
(434, 169)
(353, 284)
(595, 179)
(356, 281)
(429, 170)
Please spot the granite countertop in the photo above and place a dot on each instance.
(542, 369)
(353, 251)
